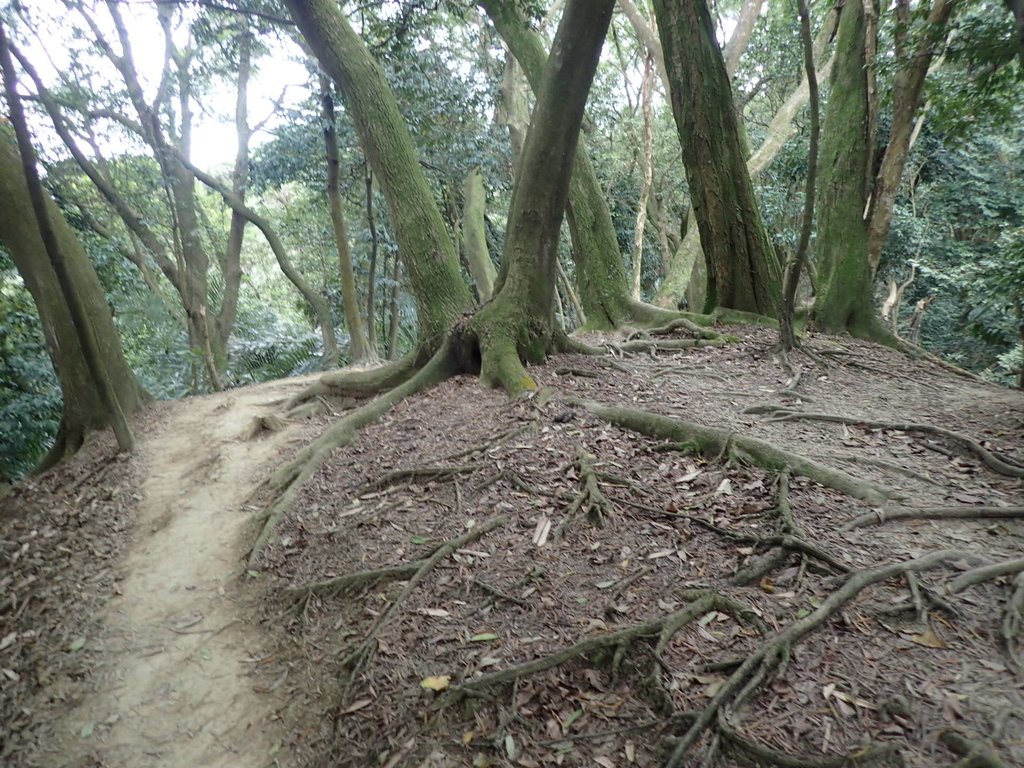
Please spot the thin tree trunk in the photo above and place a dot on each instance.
(232, 263)
(908, 89)
(648, 177)
(371, 287)
(358, 344)
(795, 265)
(313, 298)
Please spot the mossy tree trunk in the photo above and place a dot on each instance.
(600, 275)
(743, 270)
(844, 297)
(358, 345)
(517, 326)
(83, 409)
(431, 264)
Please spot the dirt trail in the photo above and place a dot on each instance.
(173, 686)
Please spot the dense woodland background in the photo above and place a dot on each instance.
(957, 221)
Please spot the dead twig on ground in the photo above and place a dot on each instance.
(357, 659)
(758, 665)
(879, 516)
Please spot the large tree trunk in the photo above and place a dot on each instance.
(431, 264)
(517, 325)
(844, 297)
(685, 275)
(83, 409)
(358, 345)
(743, 270)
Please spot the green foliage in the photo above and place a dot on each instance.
(30, 400)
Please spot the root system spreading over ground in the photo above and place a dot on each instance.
(670, 558)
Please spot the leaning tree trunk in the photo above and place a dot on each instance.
(908, 89)
(83, 409)
(601, 276)
(517, 326)
(743, 270)
(431, 264)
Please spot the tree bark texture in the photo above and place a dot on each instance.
(743, 270)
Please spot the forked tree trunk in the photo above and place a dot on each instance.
(431, 264)
(743, 270)
(83, 409)
(517, 326)
(600, 274)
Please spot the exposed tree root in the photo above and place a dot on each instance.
(359, 384)
(762, 754)
(985, 573)
(709, 441)
(589, 499)
(352, 581)
(664, 628)
(1013, 623)
(975, 753)
(790, 539)
(879, 516)
(411, 474)
(671, 345)
(357, 659)
(288, 478)
(683, 323)
(1001, 464)
(758, 665)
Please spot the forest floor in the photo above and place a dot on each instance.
(475, 581)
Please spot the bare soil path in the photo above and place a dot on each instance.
(173, 688)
